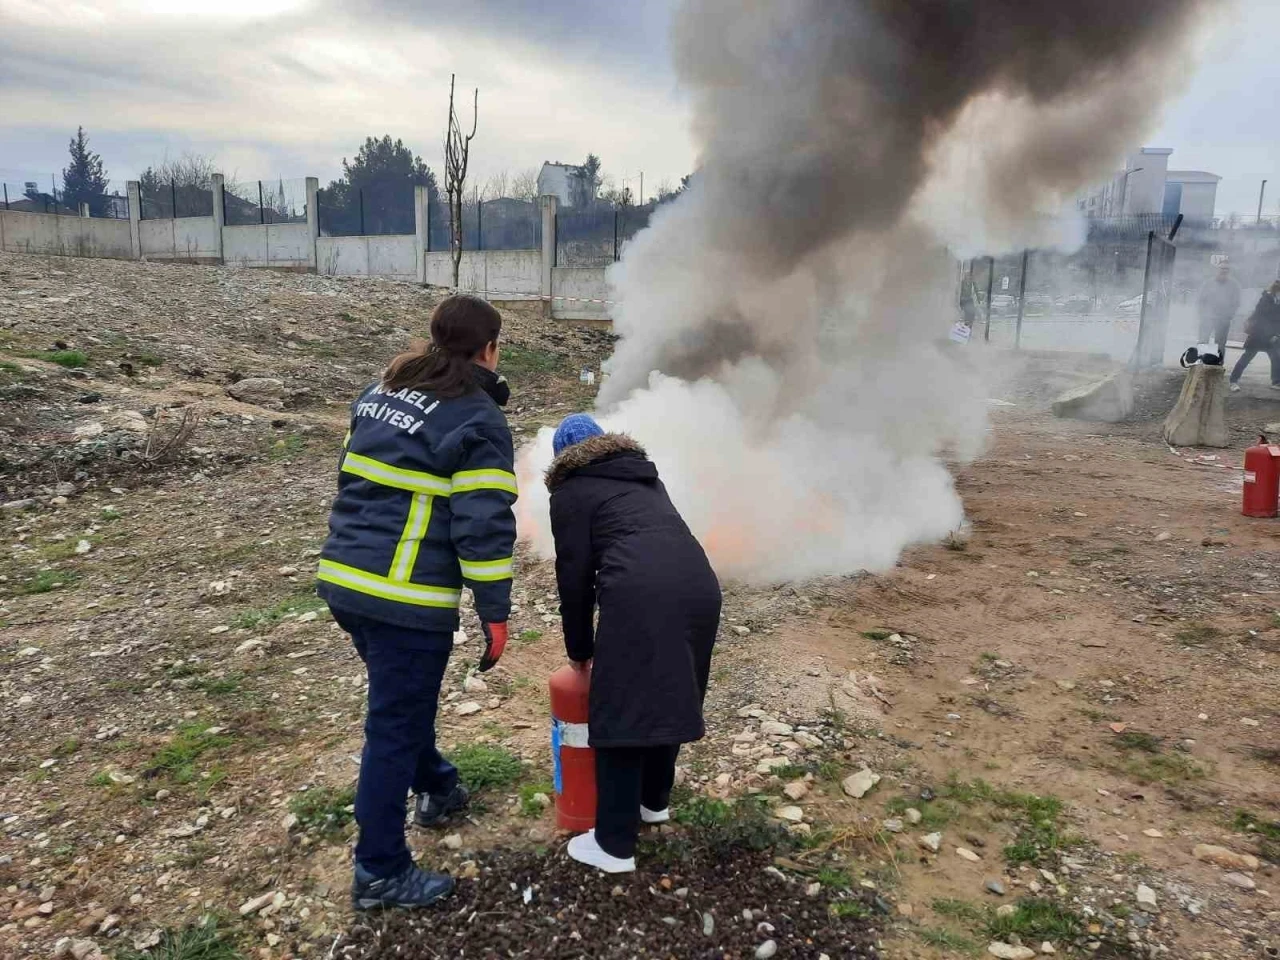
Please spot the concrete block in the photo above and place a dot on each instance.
(1198, 419)
(1108, 401)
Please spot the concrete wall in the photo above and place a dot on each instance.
(50, 234)
(394, 256)
(268, 245)
(499, 274)
(571, 290)
(1198, 200)
(193, 239)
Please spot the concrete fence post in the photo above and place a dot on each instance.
(84, 210)
(420, 225)
(134, 193)
(548, 203)
(313, 217)
(219, 213)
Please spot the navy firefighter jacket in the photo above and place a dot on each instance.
(425, 490)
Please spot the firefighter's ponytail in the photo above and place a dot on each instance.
(462, 325)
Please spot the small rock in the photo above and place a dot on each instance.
(893, 825)
(791, 814)
(1006, 910)
(913, 816)
(1047, 948)
(215, 631)
(83, 547)
(858, 784)
(1250, 722)
(474, 685)
(453, 841)
(1006, 952)
(1163, 536)
(1146, 898)
(766, 950)
(964, 853)
(262, 391)
(1222, 857)
(248, 645)
(796, 790)
(1153, 833)
(996, 887)
(26, 504)
(468, 870)
(1240, 881)
(1065, 684)
(931, 842)
(1094, 644)
(617, 892)
(708, 925)
(80, 949)
(813, 889)
(770, 764)
(775, 728)
(250, 907)
(467, 709)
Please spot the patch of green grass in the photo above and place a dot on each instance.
(185, 669)
(959, 910)
(7, 367)
(1038, 818)
(148, 359)
(71, 359)
(109, 515)
(177, 759)
(934, 814)
(528, 806)
(877, 634)
(66, 748)
(850, 908)
(289, 446)
(1136, 740)
(194, 942)
(47, 580)
(946, 940)
(517, 361)
(218, 686)
(102, 779)
(324, 809)
(833, 878)
(482, 766)
(723, 826)
(1035, 920)
(1198, 634)
(529, 636)
(270, 616)
(1267, 832)
(956, 541)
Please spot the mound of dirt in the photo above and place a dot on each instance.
(697, 905)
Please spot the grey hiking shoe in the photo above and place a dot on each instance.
(411, 887)
(429, 811)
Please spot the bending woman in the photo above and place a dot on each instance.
(621, 546)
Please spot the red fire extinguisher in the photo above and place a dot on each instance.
(1261, 479)
(574, 762)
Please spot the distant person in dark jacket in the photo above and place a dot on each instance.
(622, 547)
(1217, 303)
(1261, 330)
(425, 490)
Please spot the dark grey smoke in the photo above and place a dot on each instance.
(793, 299)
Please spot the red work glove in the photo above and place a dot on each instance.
(495, 641)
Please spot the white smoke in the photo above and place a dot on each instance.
(783, 352)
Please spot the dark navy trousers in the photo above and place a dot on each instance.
(405, 669)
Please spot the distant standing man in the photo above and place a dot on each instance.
(1218, 301)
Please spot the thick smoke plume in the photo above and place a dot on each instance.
(783, 323)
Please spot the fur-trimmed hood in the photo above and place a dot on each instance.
(595, 450)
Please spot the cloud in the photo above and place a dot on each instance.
(291, 86)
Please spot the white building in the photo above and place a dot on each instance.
(557, 179)
(1146, 186)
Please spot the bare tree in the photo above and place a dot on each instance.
(498, 185)
(457, 153)
(524, 185)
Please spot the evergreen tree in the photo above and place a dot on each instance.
(385, 171)
(84, 181)
(586, 182)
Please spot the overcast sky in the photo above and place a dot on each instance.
(286, 88)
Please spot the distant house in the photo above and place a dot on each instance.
(556, 179)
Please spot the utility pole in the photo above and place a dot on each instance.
(1261, 193)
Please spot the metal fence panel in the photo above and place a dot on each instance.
(587, 238)
(508, 224)
(384, 209)
(169, 201)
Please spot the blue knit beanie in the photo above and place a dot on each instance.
(574, 429)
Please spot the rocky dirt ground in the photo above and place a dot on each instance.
(1057, 732)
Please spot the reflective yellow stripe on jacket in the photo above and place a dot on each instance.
(387, 589)
(415, 481)
(467, 480)
(488, 570)
(415, 528)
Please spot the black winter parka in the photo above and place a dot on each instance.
(622, 546)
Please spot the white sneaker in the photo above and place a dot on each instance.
(654, 816)
(584, 849)
(1234, 387)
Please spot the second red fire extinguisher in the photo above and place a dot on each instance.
(1262, 479)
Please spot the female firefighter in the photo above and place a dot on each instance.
(621, 546)
(425, 490)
